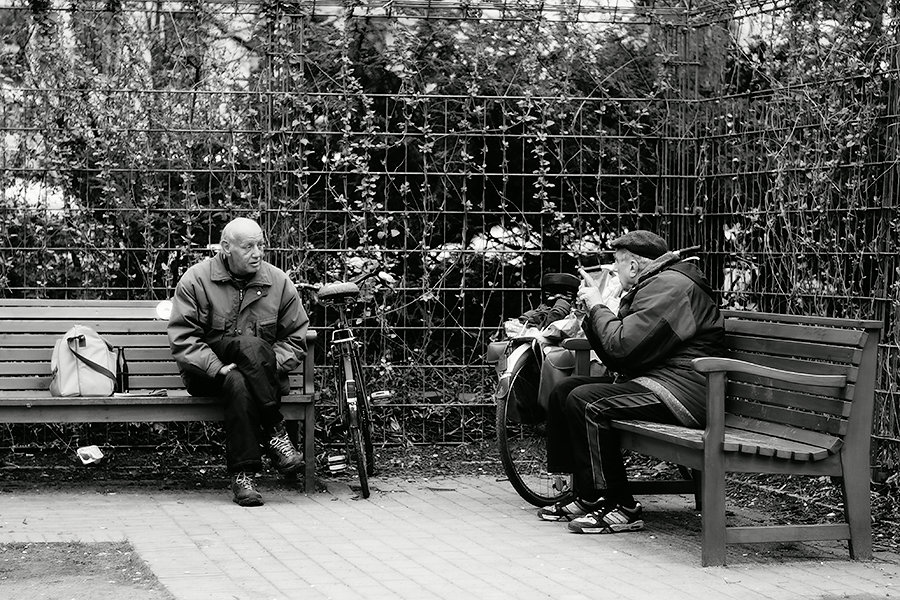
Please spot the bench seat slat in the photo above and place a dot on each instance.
(832, 444)
(174, 397)
(736, 440)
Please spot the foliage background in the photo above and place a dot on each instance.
(461, 149)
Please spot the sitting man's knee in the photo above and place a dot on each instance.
(234, 383)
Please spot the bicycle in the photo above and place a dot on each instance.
(521, 421)
(353, 400)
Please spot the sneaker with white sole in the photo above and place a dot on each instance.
(560, 511)
(615, 519)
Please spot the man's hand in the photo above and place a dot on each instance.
(227, 369)
(590, 296)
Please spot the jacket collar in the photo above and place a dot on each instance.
(220, 272)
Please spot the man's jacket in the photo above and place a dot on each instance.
(210, 305)
(667, 319)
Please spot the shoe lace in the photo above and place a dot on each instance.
(244, 481)
(281, 444)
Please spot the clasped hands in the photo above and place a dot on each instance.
(589, 296)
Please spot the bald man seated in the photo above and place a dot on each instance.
(236, 330)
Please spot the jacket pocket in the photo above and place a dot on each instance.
(266, 330)
(218, 324)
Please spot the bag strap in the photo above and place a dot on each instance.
(99, 368)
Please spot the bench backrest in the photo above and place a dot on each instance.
(815, 345)
(29, 329)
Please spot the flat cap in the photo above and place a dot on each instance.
(641, 242)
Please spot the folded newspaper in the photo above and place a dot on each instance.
(142, 393)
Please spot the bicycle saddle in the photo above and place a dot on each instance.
(336, 292)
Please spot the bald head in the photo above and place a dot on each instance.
(240, 227)
(243, 246)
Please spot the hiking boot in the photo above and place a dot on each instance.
(561, 512)
(285, 458)
(614, 519)
(244, 490)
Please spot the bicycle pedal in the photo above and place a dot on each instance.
(381, 395)
(337, 463)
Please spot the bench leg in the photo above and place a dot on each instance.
(697, 476)
(309, 448)
(712, 484)
(858, 510)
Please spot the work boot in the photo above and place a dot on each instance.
(285, 458)
(244, 490)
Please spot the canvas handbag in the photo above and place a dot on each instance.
(82, 364)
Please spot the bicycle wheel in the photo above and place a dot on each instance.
(364, 414)
(358, 450)
(522, 438)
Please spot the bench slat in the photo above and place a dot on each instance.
(736, 440)
(134, 368)
(796, 364)
(142, 382)
(830, 392)
(59, 314)
(28, 340)
(101, 325)
(782, 397)
(776, 414)
(825, 352)
(829, 443)
(175, 397)
(132, 354)
(95, 304)
(743, 315)
(781, 330)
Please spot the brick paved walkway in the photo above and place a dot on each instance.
(444, 539)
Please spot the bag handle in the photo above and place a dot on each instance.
(99, 368)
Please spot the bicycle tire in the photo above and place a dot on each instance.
(364, 414)
(359, 457)
(523, 453)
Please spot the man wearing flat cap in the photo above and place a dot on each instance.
(667, 317)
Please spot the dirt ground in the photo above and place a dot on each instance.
(114, 571)
(70, 571)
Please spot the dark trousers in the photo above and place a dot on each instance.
(251, 396)
(580, 440)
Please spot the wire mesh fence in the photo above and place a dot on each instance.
(463, 149)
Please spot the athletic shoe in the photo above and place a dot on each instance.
(560, 512)
(285, 457)
(244, 490)
(610, 520)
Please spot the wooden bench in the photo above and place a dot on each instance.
(794, 396)
(30, 328)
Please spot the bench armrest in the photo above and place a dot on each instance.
(731, 365)
(576, 344)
